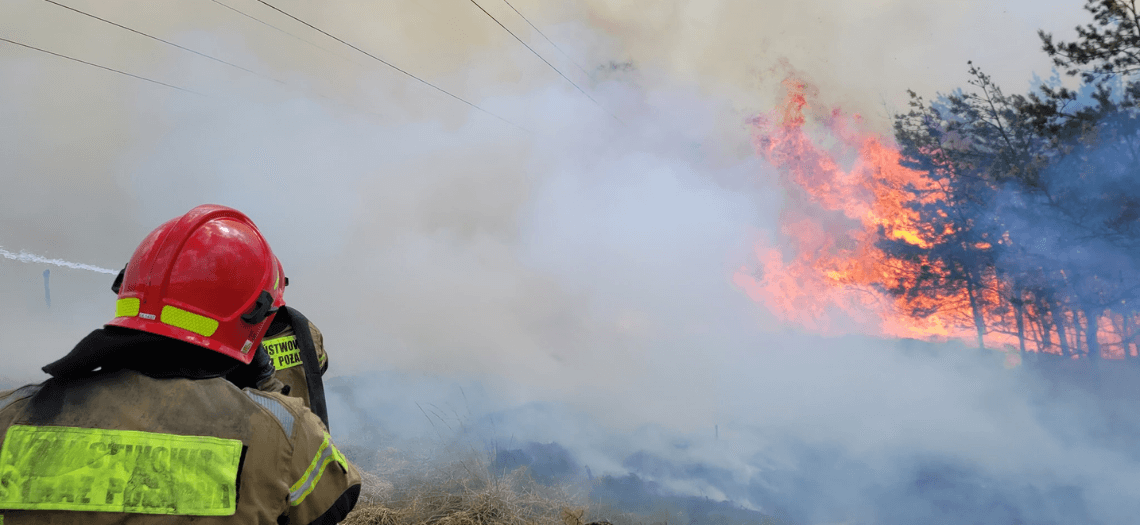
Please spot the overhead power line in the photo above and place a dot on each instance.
(188, 49)
(267, 24)
(539, 31)
(92, 64)
(544, 60)
(393, 66)
(167, 42)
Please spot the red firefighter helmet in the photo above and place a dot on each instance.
(208, 278)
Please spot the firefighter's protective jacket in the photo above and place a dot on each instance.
(123, 446)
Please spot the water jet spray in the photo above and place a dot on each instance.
(26, 257)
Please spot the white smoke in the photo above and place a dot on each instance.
(580, 275)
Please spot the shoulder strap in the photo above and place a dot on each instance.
(309, 361)
(275, 407)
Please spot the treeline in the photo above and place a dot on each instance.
(1030, 223)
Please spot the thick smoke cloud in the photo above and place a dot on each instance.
(569, 285)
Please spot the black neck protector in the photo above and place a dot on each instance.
(115, 348)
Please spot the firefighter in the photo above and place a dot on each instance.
(139, 425)
(296, 348)
(290, 360)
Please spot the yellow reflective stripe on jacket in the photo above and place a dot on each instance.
(325, 455)
(283, 351)
(91, 469)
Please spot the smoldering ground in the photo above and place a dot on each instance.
(810, 429)
(574, 279)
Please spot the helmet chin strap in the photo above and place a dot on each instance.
(115, 286)
(262, 308)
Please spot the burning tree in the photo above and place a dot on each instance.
(1039, 214)
(967, 144)
(1013, 220)
(850, 197)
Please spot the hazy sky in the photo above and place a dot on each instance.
(405, 218)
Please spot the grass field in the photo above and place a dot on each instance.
(399, 489)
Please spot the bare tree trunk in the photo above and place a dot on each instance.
(1045, 333)
(975, 305)
(1129, 334)
(1077, 328)
(1059, 322)
(1117, 322)
(1092, 321)
(1019, 311)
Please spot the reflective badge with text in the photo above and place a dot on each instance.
(90, 469)
(283, 351)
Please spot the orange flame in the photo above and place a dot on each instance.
(827, 274)
(847, 190)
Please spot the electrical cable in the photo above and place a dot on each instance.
(2, 39)
(267, 24)
(393, 66)
(215, 59)
(544, 61)
(190, 50)
(539, 31)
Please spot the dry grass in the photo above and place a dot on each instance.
(401, 488)
(463, 492)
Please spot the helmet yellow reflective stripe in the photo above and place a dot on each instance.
(171, 315)
(127, 307)
(191, 321)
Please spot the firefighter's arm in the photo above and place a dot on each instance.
(325, 485)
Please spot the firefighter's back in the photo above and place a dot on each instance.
(138, 423)
(122, 447)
